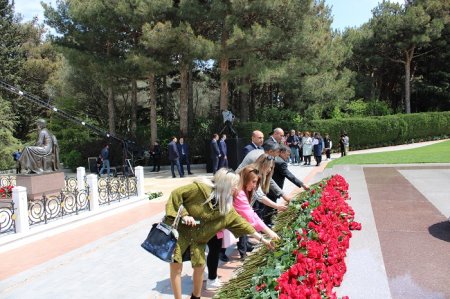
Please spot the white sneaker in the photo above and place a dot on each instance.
(213, 284)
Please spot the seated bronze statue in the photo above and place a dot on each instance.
(44, 156)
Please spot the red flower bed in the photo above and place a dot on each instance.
(308, 261)
(322, 247)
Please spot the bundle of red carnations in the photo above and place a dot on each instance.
(6, 191)
(309, 260)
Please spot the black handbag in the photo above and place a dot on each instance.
(162, 239)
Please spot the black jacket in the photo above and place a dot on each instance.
(282, 172)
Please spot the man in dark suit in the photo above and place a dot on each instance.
(156, 154)
(174, 157)
(223, 160)
(281, 172)
(257, 142)
(183, 150)
(215, 153)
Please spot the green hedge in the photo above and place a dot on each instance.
(386, 130)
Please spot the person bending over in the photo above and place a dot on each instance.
(210, 203)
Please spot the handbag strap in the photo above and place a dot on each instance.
(177, 219)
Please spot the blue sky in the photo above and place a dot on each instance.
(346, 13)
(351, 13)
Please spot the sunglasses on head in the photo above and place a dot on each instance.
(270, 158)
(255, 171)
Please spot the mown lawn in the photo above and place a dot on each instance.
(435, 153)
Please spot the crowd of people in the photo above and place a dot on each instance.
(240, 202)
(234, 203)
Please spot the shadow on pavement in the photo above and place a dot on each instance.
(441, 230)
(164, 287)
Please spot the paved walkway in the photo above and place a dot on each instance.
(403, 250)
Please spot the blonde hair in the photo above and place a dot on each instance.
(247, 174)
(224, 182)
(263, 164)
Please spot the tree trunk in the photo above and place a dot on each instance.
(152, 99)
(184, 90)
(190, 103)
(111, 112)
(245, 99)
(133, 108)
(223, 84)
(223, 104)
(224, 67)
(251, 101)
(165, 102)
(409, 55)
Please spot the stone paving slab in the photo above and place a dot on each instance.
(433, 183)
(366, 274)
(411, 253)
(114, 266)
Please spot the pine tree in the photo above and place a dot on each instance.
(401, 33)
(8, 143)
(11, 52)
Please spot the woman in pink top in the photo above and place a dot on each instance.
(249, 181)
(251, 177)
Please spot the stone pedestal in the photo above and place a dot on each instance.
(37, 184)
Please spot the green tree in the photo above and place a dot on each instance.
(11, 52)
(94, 37)
(401, 33)
(185, 46)
(431, 90)
(26, 61)
(8, 143)
(322, 82)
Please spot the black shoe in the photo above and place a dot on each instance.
(242, 257)
(223, 257)
(190, 173)
(173, 177)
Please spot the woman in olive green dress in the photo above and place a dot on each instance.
(208, 208)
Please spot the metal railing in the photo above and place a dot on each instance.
(7, 180)
(112, 189)
(7, 217)
(69, 201)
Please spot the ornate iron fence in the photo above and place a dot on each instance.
(7, 217)
(7, 180)
(112, 189)
(69, 201)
